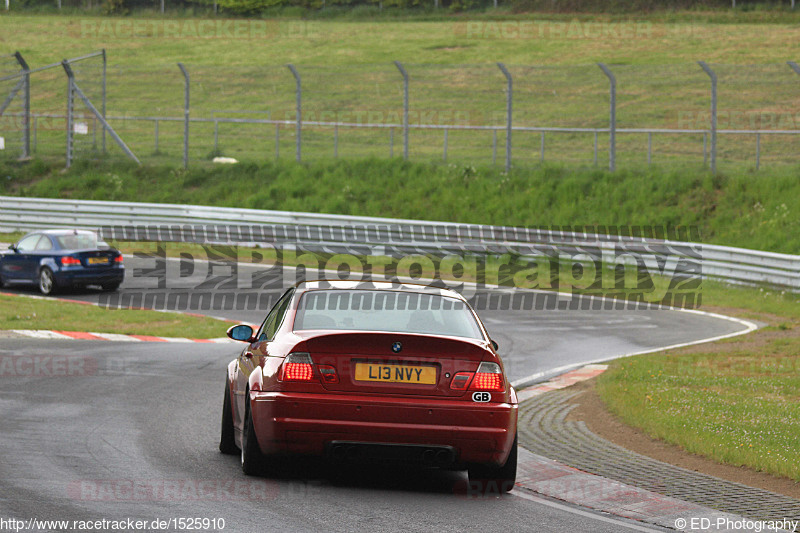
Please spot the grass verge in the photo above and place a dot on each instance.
(28, 313)
(733, 401)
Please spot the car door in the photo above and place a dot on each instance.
(19, 264)
(44, 248)
(248, 358)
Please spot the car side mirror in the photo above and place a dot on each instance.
(495, 345)
(241, 332)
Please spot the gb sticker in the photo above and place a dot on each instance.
(481, 397)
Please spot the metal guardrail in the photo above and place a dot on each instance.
(177, 222)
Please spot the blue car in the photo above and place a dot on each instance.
(54, 259)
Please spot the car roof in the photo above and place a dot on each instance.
(65, 231)
(376, 286)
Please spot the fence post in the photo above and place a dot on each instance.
(72, 90)
(612, 119)
(405, 107)
(185, 116)
(509, 102)
(70, 109)
(103, 109)
(26, 116)
(298, 111)
(541, 149)
(713, 76)
(758, 151)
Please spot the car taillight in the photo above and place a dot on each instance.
(328, 374)
(461, 380)
(118, 259)
(69, 260)
(489, 377)
(297, 367)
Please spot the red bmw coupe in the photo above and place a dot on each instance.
(372, 372)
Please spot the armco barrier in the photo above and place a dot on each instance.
(235, 225)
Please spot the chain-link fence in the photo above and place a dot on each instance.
(578, 115)
(14, 105)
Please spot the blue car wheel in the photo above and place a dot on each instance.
(47, 283)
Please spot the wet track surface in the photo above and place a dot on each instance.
(131, 431)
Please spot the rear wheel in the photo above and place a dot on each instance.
(495, 479)
(47, 283)
(253, 461)
(227, 444)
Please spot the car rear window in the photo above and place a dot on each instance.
(403, 312)
(78, 241)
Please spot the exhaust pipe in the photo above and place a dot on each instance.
(351, 453)
(428, 456)
(338, 452)
(444, 457)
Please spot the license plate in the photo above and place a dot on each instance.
(415, 375)
(98, 260)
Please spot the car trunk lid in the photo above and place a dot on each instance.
(396, 363)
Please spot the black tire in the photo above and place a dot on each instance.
(253, 460)
(110, 287)
(227, 444)
(47, 282)
(493, 479)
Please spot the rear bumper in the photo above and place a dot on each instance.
(83, 277)
(303, 423)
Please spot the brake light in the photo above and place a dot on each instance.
(489, 377)
(297, 367)
(118, 259)
(461, 380)
(68, 260)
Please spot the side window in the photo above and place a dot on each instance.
(44, 244)
(28, 243)
(272, 328)
(275, 317)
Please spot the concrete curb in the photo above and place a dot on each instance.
(116, 337)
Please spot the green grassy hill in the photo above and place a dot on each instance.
(757, 211)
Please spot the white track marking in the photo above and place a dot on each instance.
(569, 509)
(41, 334)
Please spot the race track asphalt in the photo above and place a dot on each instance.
(111, 430)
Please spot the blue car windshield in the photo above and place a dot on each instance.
(375, 310)
(77, 241)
